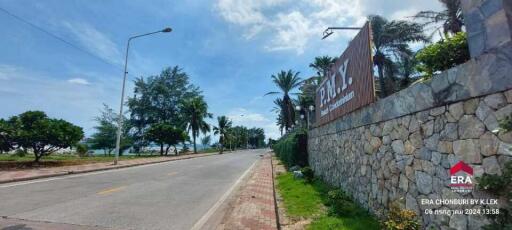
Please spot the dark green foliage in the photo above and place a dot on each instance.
(222, 129)
(341, 204)
(286, 81)
(443, 55)
(165, 135)
(6, 136)
(195, 112)
(506, 124)
(43, 135)
(401, 219)
(308, 174)
(160, 99)
(81, 150)
(390, 39)
(292, 149)
(106, 132)
(451, 17)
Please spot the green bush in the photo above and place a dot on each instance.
(292, 149)
(443, 55)
(308, 174)
(341, 204)
(20, 152)
(81, 150)
(401, 219)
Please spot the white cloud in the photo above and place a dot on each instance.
(78, 81)
(7, 72)
(295, 25)
(298, 25)
(95, 41)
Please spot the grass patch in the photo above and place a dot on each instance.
(11, 161)
(300, 199)
(208, 150)
(345, 223)
(309, 200)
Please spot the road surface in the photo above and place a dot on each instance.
(170, 195)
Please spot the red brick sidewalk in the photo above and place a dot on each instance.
(254, 207)
(29, 174)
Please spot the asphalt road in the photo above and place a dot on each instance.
(170, 195)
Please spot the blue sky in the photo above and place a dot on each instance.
(230, 48)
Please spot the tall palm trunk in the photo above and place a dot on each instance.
(221, 142)
(194, 140)
(382, 83)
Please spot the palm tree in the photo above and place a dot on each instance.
(278, 102)
(321, 64)
(195, 111)
(390, 40)
(222, 128)
(287, 81)
(451, 17)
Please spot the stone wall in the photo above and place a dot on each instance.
(409, 157)
(401, 147)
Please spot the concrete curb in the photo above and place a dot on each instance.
(274, 189)
(99, 169)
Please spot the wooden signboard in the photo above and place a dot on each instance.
(349, 84)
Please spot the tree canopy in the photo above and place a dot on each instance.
(43, 135)
(165, 135)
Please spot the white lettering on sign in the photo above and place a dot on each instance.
(329, 90)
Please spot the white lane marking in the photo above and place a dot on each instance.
(200, 223)
(88, 174)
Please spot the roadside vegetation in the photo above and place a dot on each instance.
(397, 67)
(328, 208)
(166, 115)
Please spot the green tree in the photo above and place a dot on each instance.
(196, 111)
(160, 99)
(451, 17)
(256, 137)
(206, 140)
(165, 135)
(286, 81)
(6, 136)
(43, 135)
(223, 125)
(106, 132)
(390, 39)
(322, 64)
(278, 108)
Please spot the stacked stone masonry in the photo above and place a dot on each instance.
(409, 157)
(401, 148)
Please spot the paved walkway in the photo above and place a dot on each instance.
(254, 207)
(29, 174)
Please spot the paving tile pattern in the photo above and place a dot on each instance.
(254, 207)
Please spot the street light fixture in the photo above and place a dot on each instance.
(329, 31)
(120, 121)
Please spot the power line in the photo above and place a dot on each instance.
(60, 39)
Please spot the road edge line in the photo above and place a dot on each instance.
(200, 223)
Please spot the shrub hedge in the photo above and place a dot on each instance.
(443, 55)
(291, 149)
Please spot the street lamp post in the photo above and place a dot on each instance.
(120, 121)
